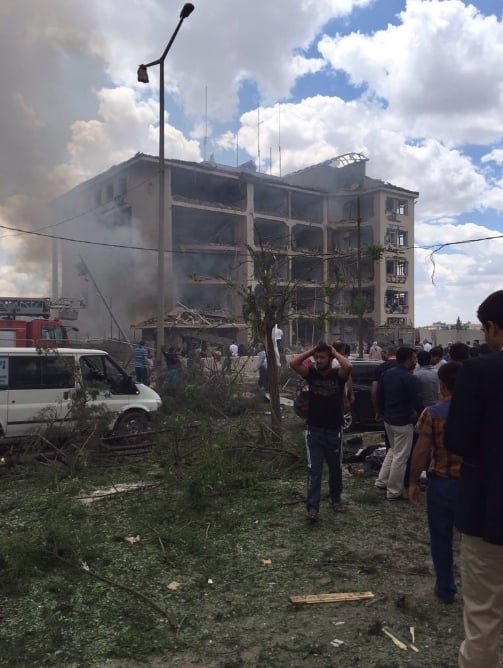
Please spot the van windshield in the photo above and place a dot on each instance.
(99, 370)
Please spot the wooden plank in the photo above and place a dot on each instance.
(332, 598)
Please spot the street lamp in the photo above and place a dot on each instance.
(142, 76)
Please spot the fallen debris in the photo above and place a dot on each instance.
(336, 642)
(399, 640)
(332, 598)
(106, 492)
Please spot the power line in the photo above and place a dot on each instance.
(436, 247)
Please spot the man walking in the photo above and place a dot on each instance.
(323, 433)
(140, 363)
(427, 376)
(398, 404)
(443, 481)
(474, 431)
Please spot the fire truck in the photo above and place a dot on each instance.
(17, 330)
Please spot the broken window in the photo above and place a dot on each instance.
(270, 233)
(267, 199)
(396, 301)
(395, 237)
(344, 239)
(307, 269)
(199, 227)
(309, 301)
(110, 191)
(216, 298)
(307, 237)
(197, 185)
(345, 269)
(362, 206)
(307, 331)
(277, 264)
(305, 206)
(397, 206)
(396, 270)
(206, 266)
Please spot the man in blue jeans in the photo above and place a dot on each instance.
(443, 481)
(324, 422)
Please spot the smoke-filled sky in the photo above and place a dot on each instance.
(416, 86)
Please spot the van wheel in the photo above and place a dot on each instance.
(132, 423)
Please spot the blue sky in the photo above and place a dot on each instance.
(416, 86)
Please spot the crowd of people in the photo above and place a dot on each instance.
(442, 413)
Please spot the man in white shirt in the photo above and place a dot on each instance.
(233, 349)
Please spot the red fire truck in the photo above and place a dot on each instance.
(17, 330)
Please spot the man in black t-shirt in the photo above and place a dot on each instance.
(324, 422)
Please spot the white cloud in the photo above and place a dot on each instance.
(453, 281)
(71, 107)
(439, 70)
(125, 125)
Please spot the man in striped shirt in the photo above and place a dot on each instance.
(140, 363)
(443, 481)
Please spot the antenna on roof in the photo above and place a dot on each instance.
(205, 122)
(258, 135)
(279, 136)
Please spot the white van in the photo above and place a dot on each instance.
(32, 380)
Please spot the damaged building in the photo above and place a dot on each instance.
(310, 224)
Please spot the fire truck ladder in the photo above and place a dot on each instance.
(36, 307)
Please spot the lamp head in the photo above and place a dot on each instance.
(142, 74)
(187, 10)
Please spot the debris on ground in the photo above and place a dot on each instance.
(332, 598)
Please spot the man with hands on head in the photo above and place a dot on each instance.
(323, 435)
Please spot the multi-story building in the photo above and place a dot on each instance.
(309, 223)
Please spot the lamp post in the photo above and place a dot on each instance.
(359, 274)
(142, 75)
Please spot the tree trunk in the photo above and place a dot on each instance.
(273, 380)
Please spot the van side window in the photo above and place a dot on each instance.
(101, 369)
(57, 372)
(36, 373)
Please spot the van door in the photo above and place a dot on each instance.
(106, 383)
(40, 389)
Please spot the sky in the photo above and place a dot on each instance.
(417, 86)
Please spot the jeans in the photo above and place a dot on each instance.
(323, 445)
(441, 497)
(142, 374)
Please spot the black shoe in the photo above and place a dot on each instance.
(312, 515)
(448, 600)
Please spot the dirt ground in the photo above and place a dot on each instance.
(245, 618)
(237, 559)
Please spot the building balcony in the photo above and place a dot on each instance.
(396, 309)
(393, 278)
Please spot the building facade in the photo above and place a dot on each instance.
(310, 224)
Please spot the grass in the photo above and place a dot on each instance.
(209, 525)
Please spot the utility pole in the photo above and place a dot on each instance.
(359, 274)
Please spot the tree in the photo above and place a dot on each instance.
(264, 307)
